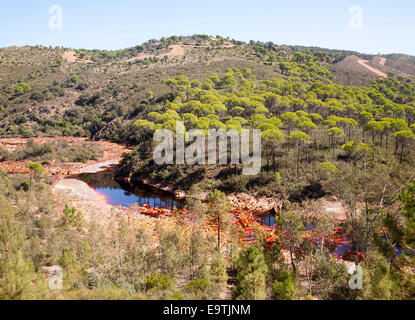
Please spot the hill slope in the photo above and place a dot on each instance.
(59, 91)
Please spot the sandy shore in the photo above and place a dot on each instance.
(81, 194)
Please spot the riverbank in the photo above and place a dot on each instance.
(81, 192)
(60, 170)
(81, 195)
(243, 201)
(113, 152)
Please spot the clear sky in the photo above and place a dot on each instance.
(387, 26)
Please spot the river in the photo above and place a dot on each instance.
(124, 194)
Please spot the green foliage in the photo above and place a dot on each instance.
(290, 120)
(144, 125)
(22, 88)
(404, 134)
(335, 132)
(401, 232)
(330, 278)
(219, 212)
(251, 274)
(325, 169)
(18, 277)
(217, 274)
(327, 166)
(357, 151)
(378, 284)
(20, 280)
(408, 199)
(284, 288)
(299, 137)
(74, 79)
(36, 168)
(158, 281)
(290, 229)
(198, 288)
(307, 126)
(72, 269)
(72, 217)
(272, 136)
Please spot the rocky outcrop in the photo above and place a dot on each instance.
(180, 195)
(256, 204)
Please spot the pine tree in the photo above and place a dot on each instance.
(217, 274)
(219, 211)
(18, 277)
(284, 289)
(401, 234)
(252, 272)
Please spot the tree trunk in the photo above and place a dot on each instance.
(267, 160)
(273, 159)
(396, 146)
(402, 150)
(292, 261)
(219, 234)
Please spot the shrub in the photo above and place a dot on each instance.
(198, 288)
(252, 271)
(158, 281)
(73, 217)
(74, 79)
(283, 289)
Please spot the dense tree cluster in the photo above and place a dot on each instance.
(306, 123)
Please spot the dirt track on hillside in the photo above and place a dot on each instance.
(379, 61)
(376, 71)
(176, 51)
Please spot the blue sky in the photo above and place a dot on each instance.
(388, 26)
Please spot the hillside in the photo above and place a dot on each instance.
(60, 91)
